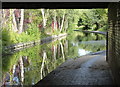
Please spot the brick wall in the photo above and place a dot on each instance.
(113, 46)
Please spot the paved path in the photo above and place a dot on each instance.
(87, 70)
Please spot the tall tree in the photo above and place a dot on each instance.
(62, 22)
(55, 20)
(14, 25)
(45, 14)
(21, 22)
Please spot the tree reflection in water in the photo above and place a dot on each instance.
(30, 65)
(16, 75)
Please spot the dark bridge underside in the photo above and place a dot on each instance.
(52, 5)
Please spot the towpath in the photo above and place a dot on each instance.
(91, 69)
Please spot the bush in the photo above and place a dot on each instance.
(10, 37)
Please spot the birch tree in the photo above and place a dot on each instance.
(44, 16)
(55, 21)
(43, 62)
(14, 23)
(22, 69)
(21, 21)
(63, 17)
(62, 49)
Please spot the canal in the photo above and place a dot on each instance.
(30, 65)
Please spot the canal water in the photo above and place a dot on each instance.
(30, 65)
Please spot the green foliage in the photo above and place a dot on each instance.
(34, 14)
(93, 18)
(74, 18)
(44, 35)
(33, 31)
(9, 38)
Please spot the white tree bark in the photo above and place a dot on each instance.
(21, 21)
(46, 16)
(43, 15)
(55, 52)
(62, 22)
(55, 21)
(22, 69)
(62, 51)
(14, 24)
(3, 19)
(42, 66)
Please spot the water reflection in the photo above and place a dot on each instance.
(82, 52)
(30, 65)
(16, 74)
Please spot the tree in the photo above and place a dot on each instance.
(91, 17)
(21, 22)
(45, 16)
(14, 25)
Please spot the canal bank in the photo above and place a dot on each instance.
(20, 46)
(91, 69)
(97, 32)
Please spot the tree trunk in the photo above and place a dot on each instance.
(59, 22)
(22, 69)
(54, 52)
(42, 66)
(21, 21)
(44, 20)
(4, 18)
(44, 16)
(62, 22)
(14, 25)
(58, 51)
(55, 21)
(62, 49)
(66, 25)
(55, 49)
